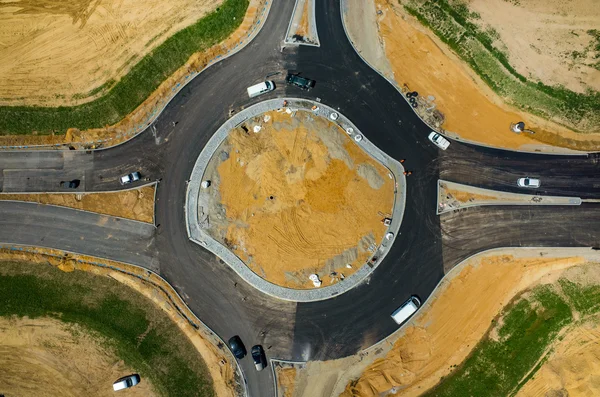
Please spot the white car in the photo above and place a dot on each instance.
(126, 382)
(439, 140)
(134, 176)
(528, 182)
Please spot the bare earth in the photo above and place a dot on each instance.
(573, 369)
(56, 52)
(136, 204)
(45, 357)
(471, 109)
(543, 48)
(154, 288)
(124, 129)
(298, 197)
(442, 334)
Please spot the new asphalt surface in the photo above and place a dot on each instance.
(427, 247)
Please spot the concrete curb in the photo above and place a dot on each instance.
(176, 299)
(520, 199)
(194, 199)
(151, 117)
(447, 134)
(312, 26)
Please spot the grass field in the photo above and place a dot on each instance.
(453, 23)
(519, 342)
(138, 331)
(134, 87)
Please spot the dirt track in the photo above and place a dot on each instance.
(298, 197)
(65, 53)
(45, 357)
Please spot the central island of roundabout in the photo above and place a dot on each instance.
(295, 199)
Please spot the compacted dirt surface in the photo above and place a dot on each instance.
(573, 368)
(56, 52)
(298, 197)
(45, 357)
(554, 44)
(420, 62)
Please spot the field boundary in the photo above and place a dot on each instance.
(159, 107)
(175, 299)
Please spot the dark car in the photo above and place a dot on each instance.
(74, 184)
(258, 355)
(237, 347)
(302, 82)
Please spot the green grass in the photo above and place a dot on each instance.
(135, 86)
(495, 368)
(452, 23)
(139, 332)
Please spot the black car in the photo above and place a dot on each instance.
(237, 347)
(302, 82)
(258, 355)
(74, 184)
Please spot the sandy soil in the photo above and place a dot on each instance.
(573, 369)
(123, 130)
(45, 357)
(446, 329)
(136, 204)
(297, 198)
(471, 110)
(286, 381)
(158, 291)
(303, 25)
(63, 53)
(553, 46)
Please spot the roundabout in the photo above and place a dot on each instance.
(294, 198)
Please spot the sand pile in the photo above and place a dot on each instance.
(298, 197)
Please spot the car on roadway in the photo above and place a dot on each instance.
(260, 88)
(298, 81)
(237, 347)
(438, 140)
(529, 182)
(258, 355)
(126, 382)
(74, 184)
(408, 308)
(129, 178)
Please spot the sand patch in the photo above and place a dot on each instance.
(46, 357)
(64, 53)
(136, 204)
(573, 369)
(298, 197)
(452, 322)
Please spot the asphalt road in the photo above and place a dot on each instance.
(427, 247)
(78, 231)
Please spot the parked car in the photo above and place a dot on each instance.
(258, 355)
(74, 184)
(126, 382)
(129, 178)
(408, 308)
(528, 182)
(439, 140)
(237, 347)
(302, 82)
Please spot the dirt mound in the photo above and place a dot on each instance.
(298, 197)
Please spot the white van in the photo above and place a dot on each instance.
(260, 88)
(407, 309)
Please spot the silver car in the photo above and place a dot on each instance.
(134, 176)
(439, 140)
(528, 182)
(126, 382)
